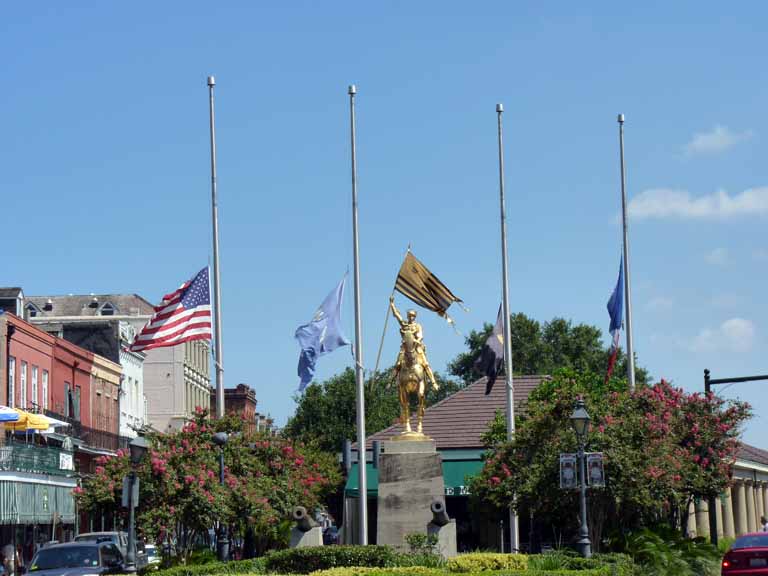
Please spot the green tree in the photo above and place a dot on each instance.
(325, 412)
(181, 494)
(662, 447)
(544, 349)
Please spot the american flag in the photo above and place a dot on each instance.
(182, 316)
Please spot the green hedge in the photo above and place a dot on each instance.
(312, 559)
(422, 571)
(255, 566)
(485, 561)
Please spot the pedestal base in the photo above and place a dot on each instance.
(446, 538)
(312, 537)
(410, 478)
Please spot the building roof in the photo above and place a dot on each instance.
(753, 454)
(83, 305)
(10, 292)
(460, 420)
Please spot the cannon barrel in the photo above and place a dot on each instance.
(304, 521)
(439, 513)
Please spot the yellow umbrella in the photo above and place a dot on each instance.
(29, 421)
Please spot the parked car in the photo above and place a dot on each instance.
(747, 555)
(153, 558)
(119, 539)
(77, 559)
(331, 535)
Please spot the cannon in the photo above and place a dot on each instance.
(304, 521)
(439, 513)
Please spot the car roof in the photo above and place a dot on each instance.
(88, 543)
(113, 533)
(760, 533)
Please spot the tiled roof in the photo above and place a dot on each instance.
(10, 292)
(80, 305)
(460, 420)
(753, 454)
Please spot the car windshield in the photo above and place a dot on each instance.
(69, 557)
(752, 541)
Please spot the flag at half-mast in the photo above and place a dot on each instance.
(416, 282)
(616, 312)
(182, 316)
(491, 357)
(321, 335)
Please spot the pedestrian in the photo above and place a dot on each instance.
(11, 562)
(764, 523)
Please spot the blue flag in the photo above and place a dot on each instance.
(616, 312)
(322, 335)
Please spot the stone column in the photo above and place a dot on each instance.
(728, 529)
(719, 516)
(760, 504)
(702, 518)
(765, 498)
(692, 533)
(739, 508)
(750, 498)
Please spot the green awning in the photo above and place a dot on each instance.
(36, 503)
(455, 473)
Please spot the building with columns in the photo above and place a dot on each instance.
(740, 507)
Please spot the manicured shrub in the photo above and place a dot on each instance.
(485, 561)
(255, 566)
(312, 559)
(422, 571)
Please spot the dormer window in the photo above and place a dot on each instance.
(107, 310)
(31, 310)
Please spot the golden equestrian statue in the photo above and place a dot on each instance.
(412, 371)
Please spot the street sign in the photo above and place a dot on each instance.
(568, 477)
(126, 488)
(595, 470)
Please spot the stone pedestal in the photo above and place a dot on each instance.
(446, 538)
(410, 478)
(312, 537)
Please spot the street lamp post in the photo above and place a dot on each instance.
(222, 542)
(137, 448)
(580, 422)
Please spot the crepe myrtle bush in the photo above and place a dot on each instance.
(662, 447)
(180, 491)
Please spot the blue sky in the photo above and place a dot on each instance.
(105, 161)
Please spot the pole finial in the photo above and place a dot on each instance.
(621, 118)
(352, 90)
(499, 107)
(211, 81)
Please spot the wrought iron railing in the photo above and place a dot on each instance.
(92, 437)
(17, 457)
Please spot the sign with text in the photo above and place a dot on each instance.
(568, 477)
(595, 470)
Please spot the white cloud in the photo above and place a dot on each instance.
(670, 203)
(733, 335)
(719, 139)
(718, 257)
(660, 303)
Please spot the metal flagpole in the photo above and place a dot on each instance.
(627, 290)
(216, 277)
(514, 537)
(359, 381)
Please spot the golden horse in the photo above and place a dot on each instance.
(410, 380)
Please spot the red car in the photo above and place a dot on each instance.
(748, 556)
